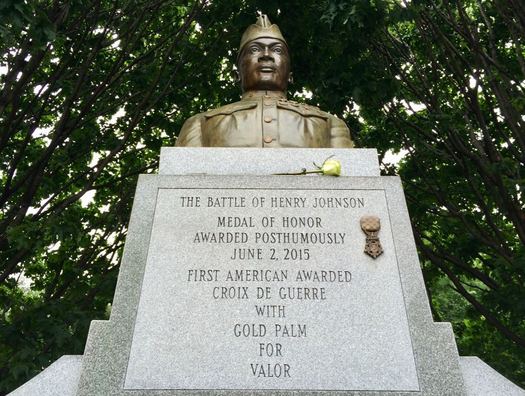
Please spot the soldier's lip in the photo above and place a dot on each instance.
(267, 69)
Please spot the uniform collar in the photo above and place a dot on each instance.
(259, 94)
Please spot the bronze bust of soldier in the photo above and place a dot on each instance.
(264, 118)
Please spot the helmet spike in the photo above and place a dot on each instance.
(263, 21)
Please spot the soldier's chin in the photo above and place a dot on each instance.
(269, 85)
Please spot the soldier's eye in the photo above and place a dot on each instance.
(254, 49)
(277, 50)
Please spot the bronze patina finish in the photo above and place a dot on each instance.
(264, 117)
(371, 226)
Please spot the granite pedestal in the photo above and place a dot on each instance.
(235, 281)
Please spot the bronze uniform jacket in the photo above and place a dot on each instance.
(265, 119)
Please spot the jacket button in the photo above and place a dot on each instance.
(268, 139)
(267, 119)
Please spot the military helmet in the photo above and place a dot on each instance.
(262, 28)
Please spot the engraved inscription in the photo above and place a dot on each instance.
(268, 290)
(277, 249)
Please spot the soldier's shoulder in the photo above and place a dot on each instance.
(304, 108)
(230, 108)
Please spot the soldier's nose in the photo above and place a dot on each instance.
(266, 55)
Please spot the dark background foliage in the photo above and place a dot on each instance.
(91, 90)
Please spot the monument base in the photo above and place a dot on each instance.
(237, 282)
(61, 379)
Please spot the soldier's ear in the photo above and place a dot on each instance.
(290, 78)
(235, 75)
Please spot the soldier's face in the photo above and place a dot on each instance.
(264, 65)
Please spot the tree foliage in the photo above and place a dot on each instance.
(91, 90)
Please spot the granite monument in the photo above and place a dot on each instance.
(236, 281)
